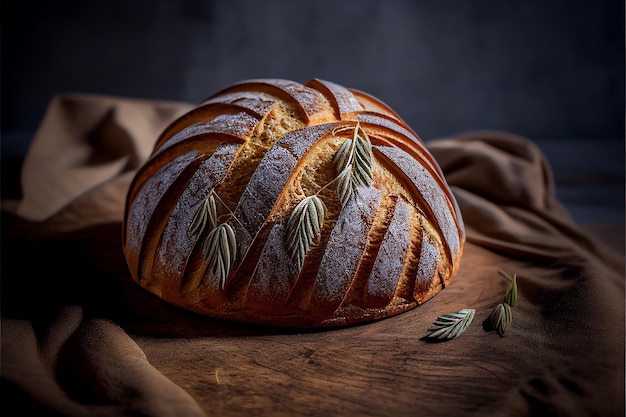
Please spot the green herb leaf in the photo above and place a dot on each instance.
(345, 184)
(304, 227)
(510, 296)
(220, 250)
(449, 326)
(353, 163)
(206, 212)
(501, 318)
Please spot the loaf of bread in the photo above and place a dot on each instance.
(286, 204)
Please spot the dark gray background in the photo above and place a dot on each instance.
(541, 68)
(550, 70)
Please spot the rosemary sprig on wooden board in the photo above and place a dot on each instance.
(510, 296)
(451, 325)
(502, 315)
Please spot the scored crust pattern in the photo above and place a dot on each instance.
(206, 216)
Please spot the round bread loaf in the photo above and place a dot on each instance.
(286, 204)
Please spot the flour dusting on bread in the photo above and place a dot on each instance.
(389, 238)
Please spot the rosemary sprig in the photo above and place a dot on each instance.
(353, 163)
(304, 227)
(502, 315)
(510, 296)
(219, 251)
(219, 248)
(451, 325)
(206, 212)
(501, 318)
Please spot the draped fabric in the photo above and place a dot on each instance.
(80, 338)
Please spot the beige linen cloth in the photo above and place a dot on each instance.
(79, 338)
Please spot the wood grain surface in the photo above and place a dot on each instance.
(386, 368)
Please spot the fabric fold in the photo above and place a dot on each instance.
(505, 190)
(72, 366)
(85, 140)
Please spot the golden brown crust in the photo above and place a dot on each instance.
(206, 220)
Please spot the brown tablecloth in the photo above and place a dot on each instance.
(79, 338)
